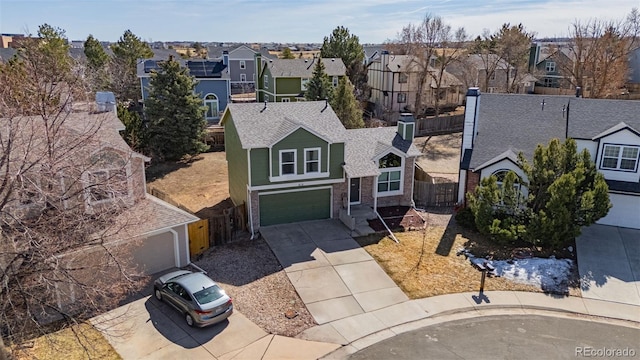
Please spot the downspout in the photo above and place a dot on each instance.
(250, 213)
(348, 195)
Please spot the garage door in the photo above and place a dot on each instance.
(295, 206)
(625, 211)
(155, 253)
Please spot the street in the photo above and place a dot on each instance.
(509, 337)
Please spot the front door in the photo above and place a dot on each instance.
(354, 190)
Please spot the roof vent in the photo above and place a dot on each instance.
(265, 106)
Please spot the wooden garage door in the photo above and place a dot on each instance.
(295, 206)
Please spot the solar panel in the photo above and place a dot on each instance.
(205, 69)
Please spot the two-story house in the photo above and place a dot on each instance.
(500, 126)
(491, 74)
(546, 61)
(95, 170)
(394, 82)
(295, 161)
(285, 80)
(212, 82)
(240, 61)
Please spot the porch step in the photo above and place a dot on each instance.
(362, 230)
(364, 212)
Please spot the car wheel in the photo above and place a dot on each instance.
(189, 320)
(157, 294)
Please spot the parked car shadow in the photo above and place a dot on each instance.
(170, 323)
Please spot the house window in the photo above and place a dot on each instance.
(243, 77)
(285, 99)
(402, 78)
(493, 76)
(334, 81)
(287, 162)
(500, 177)
(107, 184)
(548, 82)
(243, 65)
(266, 81)
(620, 157)
(312, 160)
(303, 83)
(390, 178)
(402, 97)
(550, 66)
(211, 103)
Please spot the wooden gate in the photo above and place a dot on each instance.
(427, 194)
(198, 237)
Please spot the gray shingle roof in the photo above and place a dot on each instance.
(365, 144)
(259, 127)
(304, 67)
(519, 123)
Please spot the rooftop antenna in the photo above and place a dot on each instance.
(265, 106)
(542, 103)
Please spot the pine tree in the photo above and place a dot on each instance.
(287, 54)
(124, 78)
(346, 106)
(175, 115)
(96, 56)
(319, 86)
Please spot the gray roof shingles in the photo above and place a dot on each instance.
(519, 122)
(304, 67)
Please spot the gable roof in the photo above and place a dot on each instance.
(518, 122)
(304, 67)
(260, 124)
(364, 145)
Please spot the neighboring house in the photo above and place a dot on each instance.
(240, 61)
(292, 162)
(394, 81)
(372, 52)
(285, 80)
(153, 231)
(212, 83)
(499, 126)
(544, 62)
(491, 74)
(633, 82)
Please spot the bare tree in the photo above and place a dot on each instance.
(433, 46)
(597, 54)
(59, 206)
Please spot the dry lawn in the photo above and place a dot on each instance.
(425, 262)
(80, 342)
(200, 185)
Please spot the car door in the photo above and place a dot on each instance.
(178, 297)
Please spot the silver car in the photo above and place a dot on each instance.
(195, 295)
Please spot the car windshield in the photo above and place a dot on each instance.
(209, 294)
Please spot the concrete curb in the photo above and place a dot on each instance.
(445, 308)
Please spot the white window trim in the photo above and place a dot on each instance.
(303, 83)
(392, 169)
(265, 80)
(243, 77)
(206, 103)
(87, 190)
(243, 64)
(550, 66)
(295, 161)
(619, 158)
(319, 161)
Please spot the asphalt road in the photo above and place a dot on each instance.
(510, 337)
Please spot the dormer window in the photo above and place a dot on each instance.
(287, 162)
(391, 175)
(620, 157)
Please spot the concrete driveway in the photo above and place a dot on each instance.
(609, 263)
(149, 329)
(333, 275)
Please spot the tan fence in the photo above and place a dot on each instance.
(215, 137)
(439, 125)
(427, 194)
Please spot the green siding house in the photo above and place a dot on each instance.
(285, 80)
(295, 161)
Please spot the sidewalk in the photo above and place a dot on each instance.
(359, 331)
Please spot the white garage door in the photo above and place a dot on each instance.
(155, 253)
(625, 211)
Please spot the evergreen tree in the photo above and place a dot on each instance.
(346, 46)
(287, 54)
(96, 56)
(175, 115)
(126, 52)
(319, 86)
(346, 106)
(134, 133)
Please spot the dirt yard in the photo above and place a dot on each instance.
(440, 155)
(202, 185)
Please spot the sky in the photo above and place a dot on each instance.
(293, 21)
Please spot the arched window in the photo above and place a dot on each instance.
(509, 197)
(390, 178)
(211, 102)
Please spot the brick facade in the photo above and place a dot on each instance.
(339, 198)
(473, 179)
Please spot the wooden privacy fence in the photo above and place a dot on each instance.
(427, 194)
(215, 137)
(439, 125)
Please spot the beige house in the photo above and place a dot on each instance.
(394, 82)
(491, 74)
